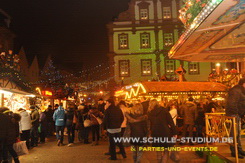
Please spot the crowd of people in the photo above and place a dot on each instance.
(107, 119)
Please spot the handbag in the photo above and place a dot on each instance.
(20, 148)
(87, 123)
(100, 121)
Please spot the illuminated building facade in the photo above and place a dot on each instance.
(140, 40)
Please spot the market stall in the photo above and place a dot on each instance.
(165, 91)
(12, 96)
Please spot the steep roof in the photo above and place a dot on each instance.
(23, 60)
(152, 87)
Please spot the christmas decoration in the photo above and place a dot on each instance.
(190, 10)
(228, 78)
(10, 69)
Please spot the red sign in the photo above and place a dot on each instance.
(47, 93)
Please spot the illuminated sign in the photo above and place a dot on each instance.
(47, 93)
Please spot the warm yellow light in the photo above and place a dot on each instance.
(218, 64)
(39, 90)
(6, 92)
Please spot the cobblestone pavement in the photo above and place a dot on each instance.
(85, 153)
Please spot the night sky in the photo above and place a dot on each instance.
(73, 31)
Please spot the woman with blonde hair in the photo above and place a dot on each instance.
(138, 126)
(163, 127)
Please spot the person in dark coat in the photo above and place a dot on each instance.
(211, 107)
(35, 124)
(200, 121)
(101, 105)
(13, 134)
(43, 126)
(85, 130)
(145, 104)
(189, 112)
(93, 114)
(112, 123)
(4, 131)
(49, 114)
(236, 108)
(138, 129)
(162, 126)
(69, 116)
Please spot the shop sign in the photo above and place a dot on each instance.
(47, 93)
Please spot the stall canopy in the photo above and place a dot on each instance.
(217, 34)
(170, 88)
(2, 90)
(152, 87)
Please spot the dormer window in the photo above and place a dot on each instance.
(144, 11)
(144, 14)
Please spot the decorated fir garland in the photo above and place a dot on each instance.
(190, 10)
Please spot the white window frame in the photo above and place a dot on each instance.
(123, 41)
(167, 13)
(144, 14)
(168, 39)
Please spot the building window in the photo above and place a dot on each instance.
(168, 39)
(144, 15)
(166, 13)
(145, 40)
(194, 68)
(123, 41)
(146, 67)
(169, 67)
(123, 68)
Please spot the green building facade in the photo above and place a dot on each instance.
(140, 39)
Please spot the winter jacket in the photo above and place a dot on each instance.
(145, 105)
(113, 118)
(189, 112)
(138, 129)
(35, 118)
(101, 107)
(201, 117)
(174, 115)
(124, 110)
(69, 115)
(25, 122)
(162, 126)
(13, 129)
(236, 101)
(43, 122)
(49, 114)
(59, 116)
(4, 127)
(93, 114)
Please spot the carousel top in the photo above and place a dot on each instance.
(215, 33)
